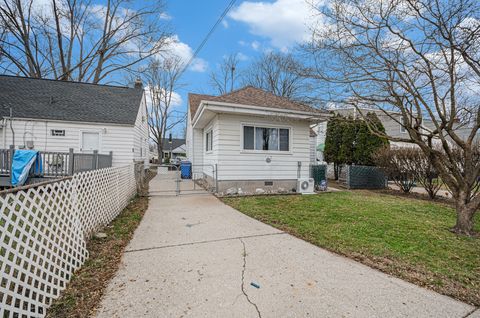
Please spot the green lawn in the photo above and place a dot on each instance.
(405, 237)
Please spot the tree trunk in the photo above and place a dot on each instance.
(335, 170)
(160, 153)
(465, 213)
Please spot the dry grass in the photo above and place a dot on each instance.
(84, 292)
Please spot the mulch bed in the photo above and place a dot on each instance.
(85, 290)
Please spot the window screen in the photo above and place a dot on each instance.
(266, 139)
(208, 141)
(248, 138)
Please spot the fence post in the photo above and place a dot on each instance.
(10, 162)
(111, 158)
(70, 161)
(95, 160)
(216, 178)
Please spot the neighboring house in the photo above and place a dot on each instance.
(177, 148)
(392, 127)
(254, 138)
(49, 115)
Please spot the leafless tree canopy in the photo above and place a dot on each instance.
(419, 58)
(162, 78)
(78, 39)
(277, 73)
(226, 78)
(274, 72)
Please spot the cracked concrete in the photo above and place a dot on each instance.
(172, 270)
(244, 255)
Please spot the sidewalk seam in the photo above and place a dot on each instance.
(202, 242)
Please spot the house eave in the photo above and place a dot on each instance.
(68, 121)
(213, 107)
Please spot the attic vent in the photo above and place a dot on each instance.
(58, 132)
(269, 183)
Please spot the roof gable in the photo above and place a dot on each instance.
(68, 101)
(251, 96)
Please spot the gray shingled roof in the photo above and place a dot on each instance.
(252, 96)
(176, 142)
(70, 101)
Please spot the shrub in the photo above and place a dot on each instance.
(407, 165)
(398, 164)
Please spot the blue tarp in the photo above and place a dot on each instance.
(22, 162)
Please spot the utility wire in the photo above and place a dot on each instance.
(210, 32)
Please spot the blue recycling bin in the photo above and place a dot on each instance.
(186, 169)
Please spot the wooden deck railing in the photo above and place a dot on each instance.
(60, 164)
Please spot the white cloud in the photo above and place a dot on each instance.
(242, 57)
(284, 22)
(225, 24)
(177, 48)
(175, 102)
(255, 45)
(165, 16)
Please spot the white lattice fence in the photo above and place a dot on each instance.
(43, 234)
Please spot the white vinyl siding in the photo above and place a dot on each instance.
(140, 136)
(210, 157)
(114, 138)
(236, 164)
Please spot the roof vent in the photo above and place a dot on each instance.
(138, 83)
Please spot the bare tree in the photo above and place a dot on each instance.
(226, 79)
(277, 73)
(421, 59)
(162, 77)
(77, 39)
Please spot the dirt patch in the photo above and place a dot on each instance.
(85, 290)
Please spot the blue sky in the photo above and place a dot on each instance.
(251, 27)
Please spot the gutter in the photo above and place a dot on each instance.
(205, 104)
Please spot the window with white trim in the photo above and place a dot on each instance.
(208, 140)
(266, 138)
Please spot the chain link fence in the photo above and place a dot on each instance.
(365, 177)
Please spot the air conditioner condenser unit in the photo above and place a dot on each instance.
(305, 186)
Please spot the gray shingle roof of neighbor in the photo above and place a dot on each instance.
(68, 101)
(176, 142)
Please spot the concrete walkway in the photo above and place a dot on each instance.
(193, 256)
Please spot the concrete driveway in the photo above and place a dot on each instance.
(193, 256)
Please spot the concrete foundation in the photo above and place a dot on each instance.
(252, 186)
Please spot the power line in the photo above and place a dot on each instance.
(210, 32)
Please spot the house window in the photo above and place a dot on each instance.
(208, 140)
(266, 138)
(402, 126)
(58, 132)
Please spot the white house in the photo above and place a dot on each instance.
(175, 148)
(49, 115)
(252, 138)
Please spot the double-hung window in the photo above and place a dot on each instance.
(266, 138)
(209, 140)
